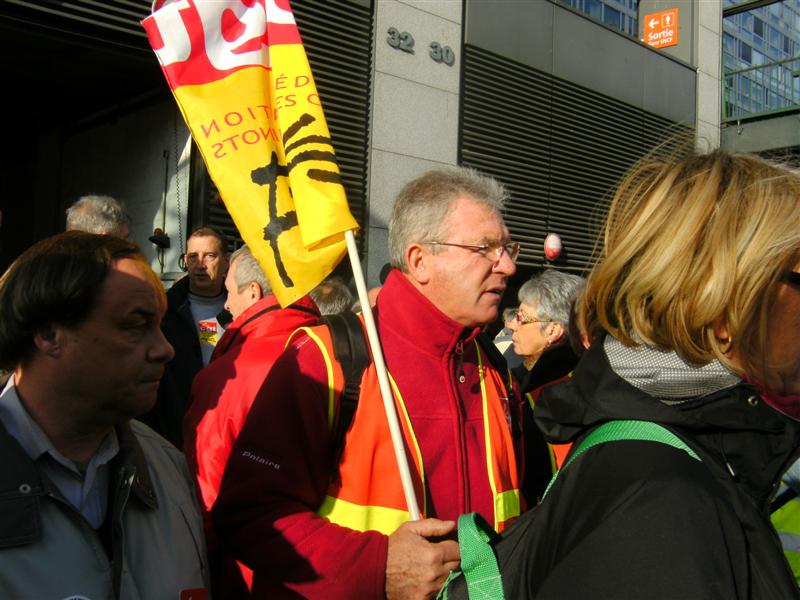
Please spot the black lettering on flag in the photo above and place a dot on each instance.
(269, 173)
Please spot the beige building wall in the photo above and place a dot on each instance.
(414, 108)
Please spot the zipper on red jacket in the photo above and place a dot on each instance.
(460, 357)
(462, 450)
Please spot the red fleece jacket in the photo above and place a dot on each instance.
(279, 470)
(223, 392)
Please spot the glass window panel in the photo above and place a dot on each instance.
(594, 9)
(746, 53)
(758, 27)
(612, 17)
(728, 43)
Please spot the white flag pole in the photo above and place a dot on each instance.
(383, 379)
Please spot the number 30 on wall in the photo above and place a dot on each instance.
(404, 41)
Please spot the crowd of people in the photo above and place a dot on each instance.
(625, 435)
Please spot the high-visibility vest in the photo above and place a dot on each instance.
(367, 493)
(786, 521)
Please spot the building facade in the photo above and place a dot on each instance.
(552, 99)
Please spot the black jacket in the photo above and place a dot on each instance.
(173, 394)
(632, 519)
(552, 365)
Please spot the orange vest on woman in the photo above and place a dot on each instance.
(367, 493)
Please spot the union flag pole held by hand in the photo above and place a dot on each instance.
(241, 78)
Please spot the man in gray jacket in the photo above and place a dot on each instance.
(92, 504)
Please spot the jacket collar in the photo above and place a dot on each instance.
(131, 458)
(19, 476)
(267, 317)
(743, 434)
(403, 311)
(178, 294)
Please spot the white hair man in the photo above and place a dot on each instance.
(99, 214)
(322, 525)
(224, 390)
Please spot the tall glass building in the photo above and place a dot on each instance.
(761, 54)
(617, 14)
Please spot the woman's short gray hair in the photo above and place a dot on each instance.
(248, 270)
(552, 292)
(422, 206)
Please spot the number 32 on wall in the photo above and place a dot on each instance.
(404, 41)
(401, 40)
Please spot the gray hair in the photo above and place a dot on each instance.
(97, 214)
(553, 293)
(510, 313)
(248, 271)
(332, 296)
(422, 206)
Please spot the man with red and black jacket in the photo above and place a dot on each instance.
(311, 523)
(223, 392)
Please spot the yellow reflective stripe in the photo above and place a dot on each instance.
(506, 506)
(328, 369)
(787, 518)
(529, 396)
(362, 518)
(553, 460)
(402, 403)
(487, 436)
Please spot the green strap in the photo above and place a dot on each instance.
(478, 560)
(644, 431)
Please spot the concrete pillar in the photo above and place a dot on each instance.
(709, 73)
(414, 106)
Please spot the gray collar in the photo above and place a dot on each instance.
(665, 375)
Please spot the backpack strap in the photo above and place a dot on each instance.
(350, 350)
(611, 431)
(478, 560)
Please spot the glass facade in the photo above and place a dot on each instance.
(761, 59)
(622, 15)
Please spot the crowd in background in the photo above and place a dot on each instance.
(207, 440)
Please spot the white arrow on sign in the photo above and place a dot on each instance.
(653, 23)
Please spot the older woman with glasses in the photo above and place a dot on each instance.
(542, 328)
(684, 411)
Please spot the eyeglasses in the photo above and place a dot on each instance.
(791, 277)
(522, 319)
(491, 250)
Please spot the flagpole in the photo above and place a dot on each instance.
(383, 379)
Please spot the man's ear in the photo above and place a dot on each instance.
(256, 293)
(417, 258)
(49, 340)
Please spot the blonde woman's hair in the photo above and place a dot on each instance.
(692, 243)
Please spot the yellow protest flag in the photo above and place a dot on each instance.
(240, 75)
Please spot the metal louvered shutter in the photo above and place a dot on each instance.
(558, 147)
(338, 41)
(114, 21)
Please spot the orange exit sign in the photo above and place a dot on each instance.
(661, 28)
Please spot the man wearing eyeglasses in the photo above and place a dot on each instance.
(312, 526)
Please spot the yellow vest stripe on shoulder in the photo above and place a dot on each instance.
(328, 369)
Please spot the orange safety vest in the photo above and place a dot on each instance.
(367, 494)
